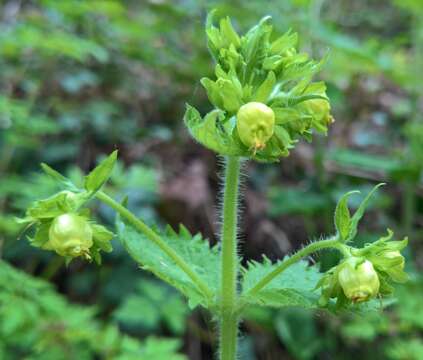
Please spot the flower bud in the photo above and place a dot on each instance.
(390, 262)
(70, 235)
(358, 279)
(255, 124)
(320, 109)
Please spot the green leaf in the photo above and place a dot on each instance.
(265, 89)
(59, 177)
(41, 236)
(375, 163)
(342, 216)
(285, 42)
(229, 94)
(196, 252)
(272, 62)
(294, 287)
(96, 178)
(102, 237)
(207, 132)
(229, 33)
(160, 305)
(254, 44)
(53, 206)
(360, 212)
(212, 92)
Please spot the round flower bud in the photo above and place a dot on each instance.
(320, 109)
(358, 280)
(70, 235)
(255, 124)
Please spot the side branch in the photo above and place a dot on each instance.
(155, 238)
(332, 242)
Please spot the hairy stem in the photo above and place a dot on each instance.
(229, 262)
(155, 238)
(313, 247)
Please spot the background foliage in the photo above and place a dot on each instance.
(80, 78)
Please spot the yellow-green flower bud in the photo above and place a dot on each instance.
(390, 262)
(358, 279)
(255, 124)
(320, 109)
(70, 235)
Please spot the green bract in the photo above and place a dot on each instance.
(253, 69)
(358, 279)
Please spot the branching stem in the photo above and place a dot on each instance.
(313, 247)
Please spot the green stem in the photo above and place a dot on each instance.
(313, 247)
(229, 262)
(151, 235)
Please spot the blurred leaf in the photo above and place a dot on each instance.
(151, 305)
(298, 331)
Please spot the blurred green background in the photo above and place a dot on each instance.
(81, 78)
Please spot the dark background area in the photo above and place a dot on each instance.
(79, 79)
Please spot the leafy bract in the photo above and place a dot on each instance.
(96, 178)
(342, 216)
(55, 175)
(194, 250)
(294, 287)
(345, 224)
(211, 132)
(360, 212)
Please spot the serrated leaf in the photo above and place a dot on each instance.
(196, 252)
(294, 287)
(342, 216)
(360, 212)
(96, 178)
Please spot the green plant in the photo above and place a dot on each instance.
(265, 101)
(37, 323)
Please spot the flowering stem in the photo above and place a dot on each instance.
(332, 242)
(229, 262)
(155, 238)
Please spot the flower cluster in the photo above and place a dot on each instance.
(263, 94)
(368, 272)
(62, 226)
